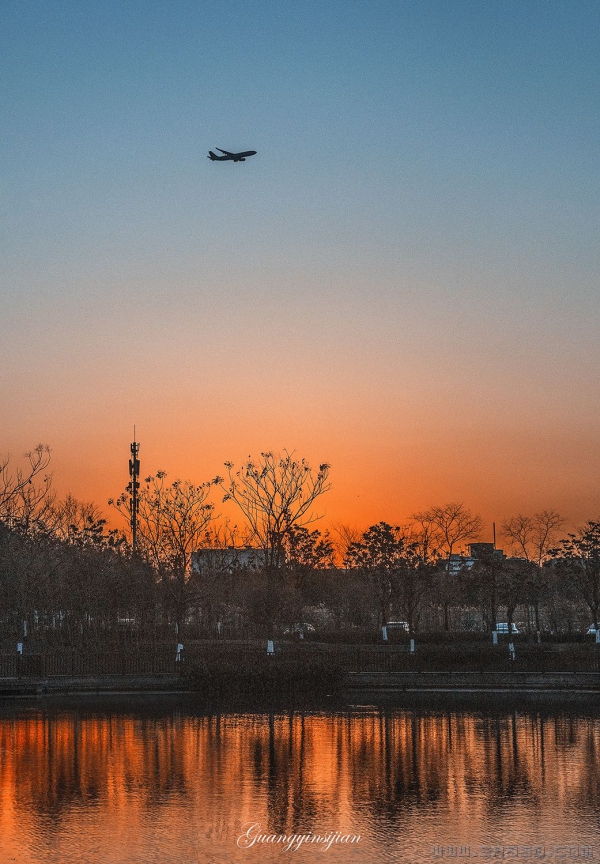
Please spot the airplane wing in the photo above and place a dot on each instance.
(226, 152)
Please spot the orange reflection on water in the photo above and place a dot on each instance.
(122, 786)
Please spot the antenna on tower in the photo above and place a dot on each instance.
(134, 485)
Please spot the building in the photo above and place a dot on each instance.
(482, 552)
(227, 559)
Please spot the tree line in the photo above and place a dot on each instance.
(66, 576)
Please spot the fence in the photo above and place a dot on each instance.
(440, 658)
(345, 658)
(87, 664)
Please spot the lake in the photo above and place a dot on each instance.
(138, 779)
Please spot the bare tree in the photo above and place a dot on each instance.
(225, 535)
(450, 525)
(70, 518)
(425, 537)
(343, 537)
(172, 523)
(445, 527)
(24, 492)
(532, 538)
(275, 494)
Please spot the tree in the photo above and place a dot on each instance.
(495, 581)
(172, 521)
(390, 561)
(308, 554)
(532, 538)
(479, 584)
(81, 523)
(307, 550)
(446, 527)
(450, 525)
(427, 537)
(94, 584)
(513, 582)
(276, 494)
(24, 492)
(579, 560)
(25, 575)
(344, 536)
(222, 574)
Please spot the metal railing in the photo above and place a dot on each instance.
(140, 661)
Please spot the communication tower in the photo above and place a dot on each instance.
(134, 485)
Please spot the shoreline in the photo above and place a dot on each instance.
(496, 682)
(350, 683)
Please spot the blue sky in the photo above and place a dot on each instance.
(372, 120)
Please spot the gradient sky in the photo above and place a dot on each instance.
(403, 282)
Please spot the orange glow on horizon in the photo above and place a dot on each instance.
(368, 485)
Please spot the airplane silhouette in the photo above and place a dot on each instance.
(235, 157)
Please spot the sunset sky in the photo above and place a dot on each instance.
(403, 282)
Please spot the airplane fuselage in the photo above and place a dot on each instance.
(230, 157)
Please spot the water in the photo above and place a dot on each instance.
(139, 781)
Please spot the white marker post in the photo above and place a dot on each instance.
(412, 646)
(270, 647)
(384, 633)
(494, 637)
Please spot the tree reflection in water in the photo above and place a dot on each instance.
(132, 777)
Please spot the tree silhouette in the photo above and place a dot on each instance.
(532, 538)
(579, 560)
(446, 527)
(172, 522)
(276, 494)
(25, 492)
(390, 560)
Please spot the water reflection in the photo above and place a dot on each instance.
(176, 784)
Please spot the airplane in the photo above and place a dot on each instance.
(235, 157)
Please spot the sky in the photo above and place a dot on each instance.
(403, 282)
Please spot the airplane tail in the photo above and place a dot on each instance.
(212, 156)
